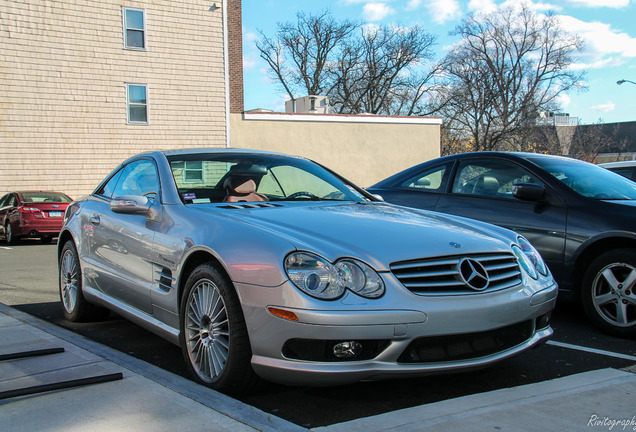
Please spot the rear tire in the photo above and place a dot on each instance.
(76, 307)
(608, 292)
(9, 238)
(213, 337)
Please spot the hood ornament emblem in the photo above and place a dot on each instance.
(474, 274)
(455, 245)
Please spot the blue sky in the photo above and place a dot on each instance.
(608, 28)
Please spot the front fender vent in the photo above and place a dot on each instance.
(253, 205)
(164, 279)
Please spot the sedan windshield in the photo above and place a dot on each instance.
(214, 178)
(588, 179)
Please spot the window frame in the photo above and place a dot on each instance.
(135, 104)
(125, 28)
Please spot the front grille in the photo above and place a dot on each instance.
(441, 275)
(466, 346)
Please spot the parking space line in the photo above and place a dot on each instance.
(592, 350)
(6, 248)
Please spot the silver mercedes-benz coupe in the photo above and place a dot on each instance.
(267, 266)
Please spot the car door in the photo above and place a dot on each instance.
(482, 189)
(421, 189)
(121, 248)
(9, 213)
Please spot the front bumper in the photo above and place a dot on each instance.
(465, 323)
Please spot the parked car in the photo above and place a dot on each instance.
(579, 216)
(624, 168)
(32, 214)
(265, 265)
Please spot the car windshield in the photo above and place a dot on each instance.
(214, 178)
(37, 197)
(588, 179)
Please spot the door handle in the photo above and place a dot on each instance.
(95, 220)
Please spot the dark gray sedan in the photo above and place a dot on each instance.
(581, 218)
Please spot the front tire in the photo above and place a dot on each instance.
(608, 292)
(214, 337)
(76, 307)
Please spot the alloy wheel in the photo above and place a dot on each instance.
(613, 294)
(69, 281)
(207, 331)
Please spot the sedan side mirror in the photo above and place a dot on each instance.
(528, 191)
(131, 204)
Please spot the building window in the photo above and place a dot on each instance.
(134, 29)
(137, 103)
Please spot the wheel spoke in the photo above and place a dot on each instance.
(604, 299)
(621, 313)
(610, 278)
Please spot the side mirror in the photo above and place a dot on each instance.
(528, 191)
(131, 204)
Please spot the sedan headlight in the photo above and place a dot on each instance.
(321, 279)
(529, 258)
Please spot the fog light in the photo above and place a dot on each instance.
(544, 321)
(347, 350)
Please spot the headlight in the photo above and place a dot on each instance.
(529, 258)
(360, 278)
(321, 279)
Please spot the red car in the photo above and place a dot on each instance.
(32, 214)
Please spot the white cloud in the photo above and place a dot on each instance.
(600, 3)
(606, 107)
(373, 11)
(604, 46)
(413, 4)
(482, 6)
(534, 6)
(443, 10)
(564, 100)
(249, 62)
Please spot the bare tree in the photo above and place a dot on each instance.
(509, 65)
(382, 70)
(385, 71)
(300, 53)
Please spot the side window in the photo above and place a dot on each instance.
(137, 103)
(432, 179)
(490, 178)
(109, 187)
(138, 178)
(134, 28)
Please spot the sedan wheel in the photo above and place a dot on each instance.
(8, 234)
(213, 334)
(76, 308)
(608, 292)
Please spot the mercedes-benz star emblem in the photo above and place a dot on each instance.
(473, 274)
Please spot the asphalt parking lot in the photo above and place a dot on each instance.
(28, 282)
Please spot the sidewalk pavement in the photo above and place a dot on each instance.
(122, 393)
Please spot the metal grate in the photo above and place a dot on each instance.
(441, 275)
(466, 346)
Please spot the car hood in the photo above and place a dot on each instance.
(377, 233)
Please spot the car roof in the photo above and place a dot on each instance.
(217, 150)
(618, 164)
